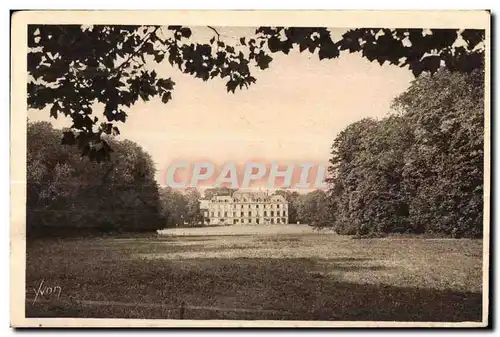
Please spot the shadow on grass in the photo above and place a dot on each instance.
(295, 288)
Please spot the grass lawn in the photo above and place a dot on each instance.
(279, 273)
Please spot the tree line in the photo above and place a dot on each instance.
(69, 193)
(419, 170)
(180, 208)
(302, 207)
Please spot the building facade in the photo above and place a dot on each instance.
(241, 208)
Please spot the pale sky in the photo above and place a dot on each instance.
(291, 114)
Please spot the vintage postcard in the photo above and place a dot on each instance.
(250, 168)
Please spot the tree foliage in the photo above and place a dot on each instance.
(314, 209)
(419, 171)
(179, 208)
(173, 206)
(193, 212)
(445, 166)
(69, 193)
(75, 68)
(419, 49)
(209, 193)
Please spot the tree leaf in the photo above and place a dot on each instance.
(231, 86)
(54, 110)
(263, 60)
(185, 32)
(159, 57)
(328, 51)
(274, 44)
(166, 97)
(121, 116)
(166, 83)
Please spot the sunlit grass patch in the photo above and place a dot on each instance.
(303, 275)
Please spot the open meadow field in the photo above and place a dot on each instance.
(280, 273)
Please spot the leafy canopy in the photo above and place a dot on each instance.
(72, 68)
(417, 171)
(70, 194)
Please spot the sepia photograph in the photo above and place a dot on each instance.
(250, 168)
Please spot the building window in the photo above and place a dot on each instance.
(241, 213)
(212, 213)
(278, 220)
(225, 213)
(256, 206)
(265, 213)
(272, 213)
(249, 213)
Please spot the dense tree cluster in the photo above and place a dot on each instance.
(418, 171)
(312, 208)
(180, 208)
(69, 193)
(72, 68)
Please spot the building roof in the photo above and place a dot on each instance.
(240, 196)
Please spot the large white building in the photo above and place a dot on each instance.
(245, 208)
